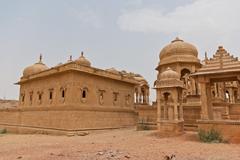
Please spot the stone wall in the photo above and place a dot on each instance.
(99, 91)
(229, 129)
(234, 111)
(147, 117)
(191, 113)
(62, 118)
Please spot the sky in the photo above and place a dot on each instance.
(127, 34)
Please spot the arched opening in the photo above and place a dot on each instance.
(227, 96)
(51, 95)
(185, 72)
(40, 97)
(166, 96)
(63, 93)
(84, 94)
(213, 94)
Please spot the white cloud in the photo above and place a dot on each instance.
(86, 16)
(222, 15)
(208, 22)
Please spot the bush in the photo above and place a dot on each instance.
(3, 131)
(211, 136)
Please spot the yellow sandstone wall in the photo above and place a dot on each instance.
(65, 119)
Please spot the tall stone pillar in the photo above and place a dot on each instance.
(193, 86)
(175, 105)
(206, 107)
(215, 90)
(238, 84)
(159, 109)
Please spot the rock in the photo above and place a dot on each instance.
(100, 153)
(82, 133)
(127, 156)
(70, 134)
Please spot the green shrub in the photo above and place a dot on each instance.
(211, 136)
(3, 131)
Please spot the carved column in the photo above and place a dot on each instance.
(180, 104)
(159, 109)
(238, 84)
(165, 112)
(204, 110)
(215, 90)
(206, 107)
(193, 86)
(175, 105)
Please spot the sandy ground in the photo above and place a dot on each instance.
(112, 145)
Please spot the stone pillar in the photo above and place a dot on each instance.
(180, 105)
(238, 84)
(140, 98)
(147, 98)
(206, 107)
(193, 86)
(136, 100)
(215, 90)
(224, 91)
(175, 105)
(165, 111)
(159, 109)
(230, 95)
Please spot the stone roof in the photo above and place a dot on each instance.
(222, 62)
(73, 66)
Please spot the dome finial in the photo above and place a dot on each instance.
(177, 39)
(40, 58)
(82, 54)
(206, 56)
(70, 58)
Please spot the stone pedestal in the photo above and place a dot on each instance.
(170, 128)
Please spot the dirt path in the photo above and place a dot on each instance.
(112, 145)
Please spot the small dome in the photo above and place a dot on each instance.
(140, 79)
(178, 50)
(169, 74)
(83, 61)
(112, 70)
(35, 68)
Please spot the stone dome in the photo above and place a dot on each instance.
(83, 61)
(112, 70)
(139, 78)
(169, 74)
(178, 51)
(35, 68)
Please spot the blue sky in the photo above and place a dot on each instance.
(126, 34)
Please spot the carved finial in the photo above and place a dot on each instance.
(40, 58)
(70, 58)
(177, 39)
(206, 56)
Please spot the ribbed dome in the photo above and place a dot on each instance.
(169, 74)
(178, 50)
(35, 68)
(83, 61)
